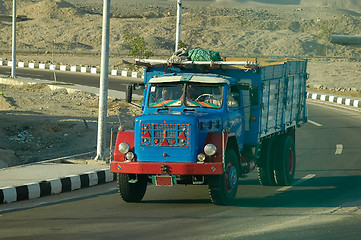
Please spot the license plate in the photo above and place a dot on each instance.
(163, 180)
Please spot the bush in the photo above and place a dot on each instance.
(137, 46)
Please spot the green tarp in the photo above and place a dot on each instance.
(200, 54)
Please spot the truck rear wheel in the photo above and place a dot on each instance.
(265, 165)
(131, 192)
(285, 161)
(223, 188)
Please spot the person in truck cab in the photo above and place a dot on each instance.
(165, 95)
(200, 93)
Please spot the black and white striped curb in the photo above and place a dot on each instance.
(55, 186)
(94, 70)
(348, 101)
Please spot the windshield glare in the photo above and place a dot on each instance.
(197, 95)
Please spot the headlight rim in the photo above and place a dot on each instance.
(129, 156)
(203, 156)
(123, 148)
(210, 149)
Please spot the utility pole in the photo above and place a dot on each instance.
(179, 23)
(103, 92)
(13, 66)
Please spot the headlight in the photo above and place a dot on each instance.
(123, 148)
(129, 156)
(210, 149)
(201, 158)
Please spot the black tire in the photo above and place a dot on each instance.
(285, 161)
(223, 188)
(265, 164)
(131, 192)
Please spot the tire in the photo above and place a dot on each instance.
(266, 164)
(285, 161)
(131, 192)
(223, 188)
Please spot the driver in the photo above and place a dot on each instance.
(165, 95)
(192, 93)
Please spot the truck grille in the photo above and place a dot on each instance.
(165, 134)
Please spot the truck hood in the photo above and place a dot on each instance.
(206, 121)
(199, 116)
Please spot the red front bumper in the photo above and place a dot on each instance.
(215, 168)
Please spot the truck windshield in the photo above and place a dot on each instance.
(197, 95)
(204, 95)
(167, 95)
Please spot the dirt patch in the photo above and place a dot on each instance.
(8, 158)
(5, 103)
(39, 124)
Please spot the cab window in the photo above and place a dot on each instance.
(204, 95)
(165, 95)
(234, 97)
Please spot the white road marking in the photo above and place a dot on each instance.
(304, 179)
(315, 123)
(339, 148)
(333, 105)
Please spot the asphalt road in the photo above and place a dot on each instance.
(324, 202)
(114, 82)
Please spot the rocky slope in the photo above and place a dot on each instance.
(241, 28)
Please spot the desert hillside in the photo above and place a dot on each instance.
(252, 28)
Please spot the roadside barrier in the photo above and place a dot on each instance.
(72, 68)
(343, 100)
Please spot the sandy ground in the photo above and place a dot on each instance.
(38, 124)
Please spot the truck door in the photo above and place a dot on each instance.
(235, 114)
(246, 102)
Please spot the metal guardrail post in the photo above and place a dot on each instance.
(129, 93)
(13, 65)
(103, 92)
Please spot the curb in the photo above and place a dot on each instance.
(55, 186)
(343, 100)
(75, 68)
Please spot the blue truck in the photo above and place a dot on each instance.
(211, 123)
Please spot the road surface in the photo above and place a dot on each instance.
(323, 203)
(114, 82)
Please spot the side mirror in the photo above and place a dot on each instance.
(254, 95)
(139, 86)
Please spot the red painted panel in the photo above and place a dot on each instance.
(216, 139)
(172, 168)
(123, 136)
(164, 180)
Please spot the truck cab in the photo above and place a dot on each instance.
(180, 111)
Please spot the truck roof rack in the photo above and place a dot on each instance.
(153, 62)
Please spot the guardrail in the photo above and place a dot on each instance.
(66, 51)
(332, 98)
(72, 68)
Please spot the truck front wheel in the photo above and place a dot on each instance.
(129, 191)
(285, 161)
(223, 188)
